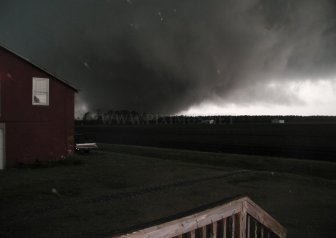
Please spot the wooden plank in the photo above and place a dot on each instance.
(233, 230)
(243, 221)
(225, 227)
(193, 234)
(255, 229)
(224, 212)
(214, 230)
(248, 226)
(265, 219)
(204, 231)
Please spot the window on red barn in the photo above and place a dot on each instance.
(41, 91)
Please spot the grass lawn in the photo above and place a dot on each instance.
(106, 192)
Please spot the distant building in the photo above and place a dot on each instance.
(36, 113)
(278, 121)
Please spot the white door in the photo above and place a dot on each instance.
(2, 156)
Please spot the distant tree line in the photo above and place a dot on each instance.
(126, 117)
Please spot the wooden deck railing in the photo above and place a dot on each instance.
(239, 218)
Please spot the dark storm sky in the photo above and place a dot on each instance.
(166, 56)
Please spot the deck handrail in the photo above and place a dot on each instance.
(241, 211)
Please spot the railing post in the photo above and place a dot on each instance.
(204, 231)
(225, 227)
(243, 220)
(214, 230)
(193, 234)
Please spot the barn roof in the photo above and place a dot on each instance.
(39, 67)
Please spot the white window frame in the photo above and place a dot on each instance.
(33, 92)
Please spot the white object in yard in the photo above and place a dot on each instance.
(86, 146)
(84, 143)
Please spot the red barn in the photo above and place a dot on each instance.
(36, 113)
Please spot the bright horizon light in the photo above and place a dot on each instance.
(313, 98)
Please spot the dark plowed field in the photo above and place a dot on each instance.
(309, 141)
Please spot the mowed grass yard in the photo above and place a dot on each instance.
(118, 187)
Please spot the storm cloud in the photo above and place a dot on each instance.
(166, 56)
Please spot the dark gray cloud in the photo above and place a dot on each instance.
(165, 56)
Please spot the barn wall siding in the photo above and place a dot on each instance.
(38, 141)
(34, 132)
